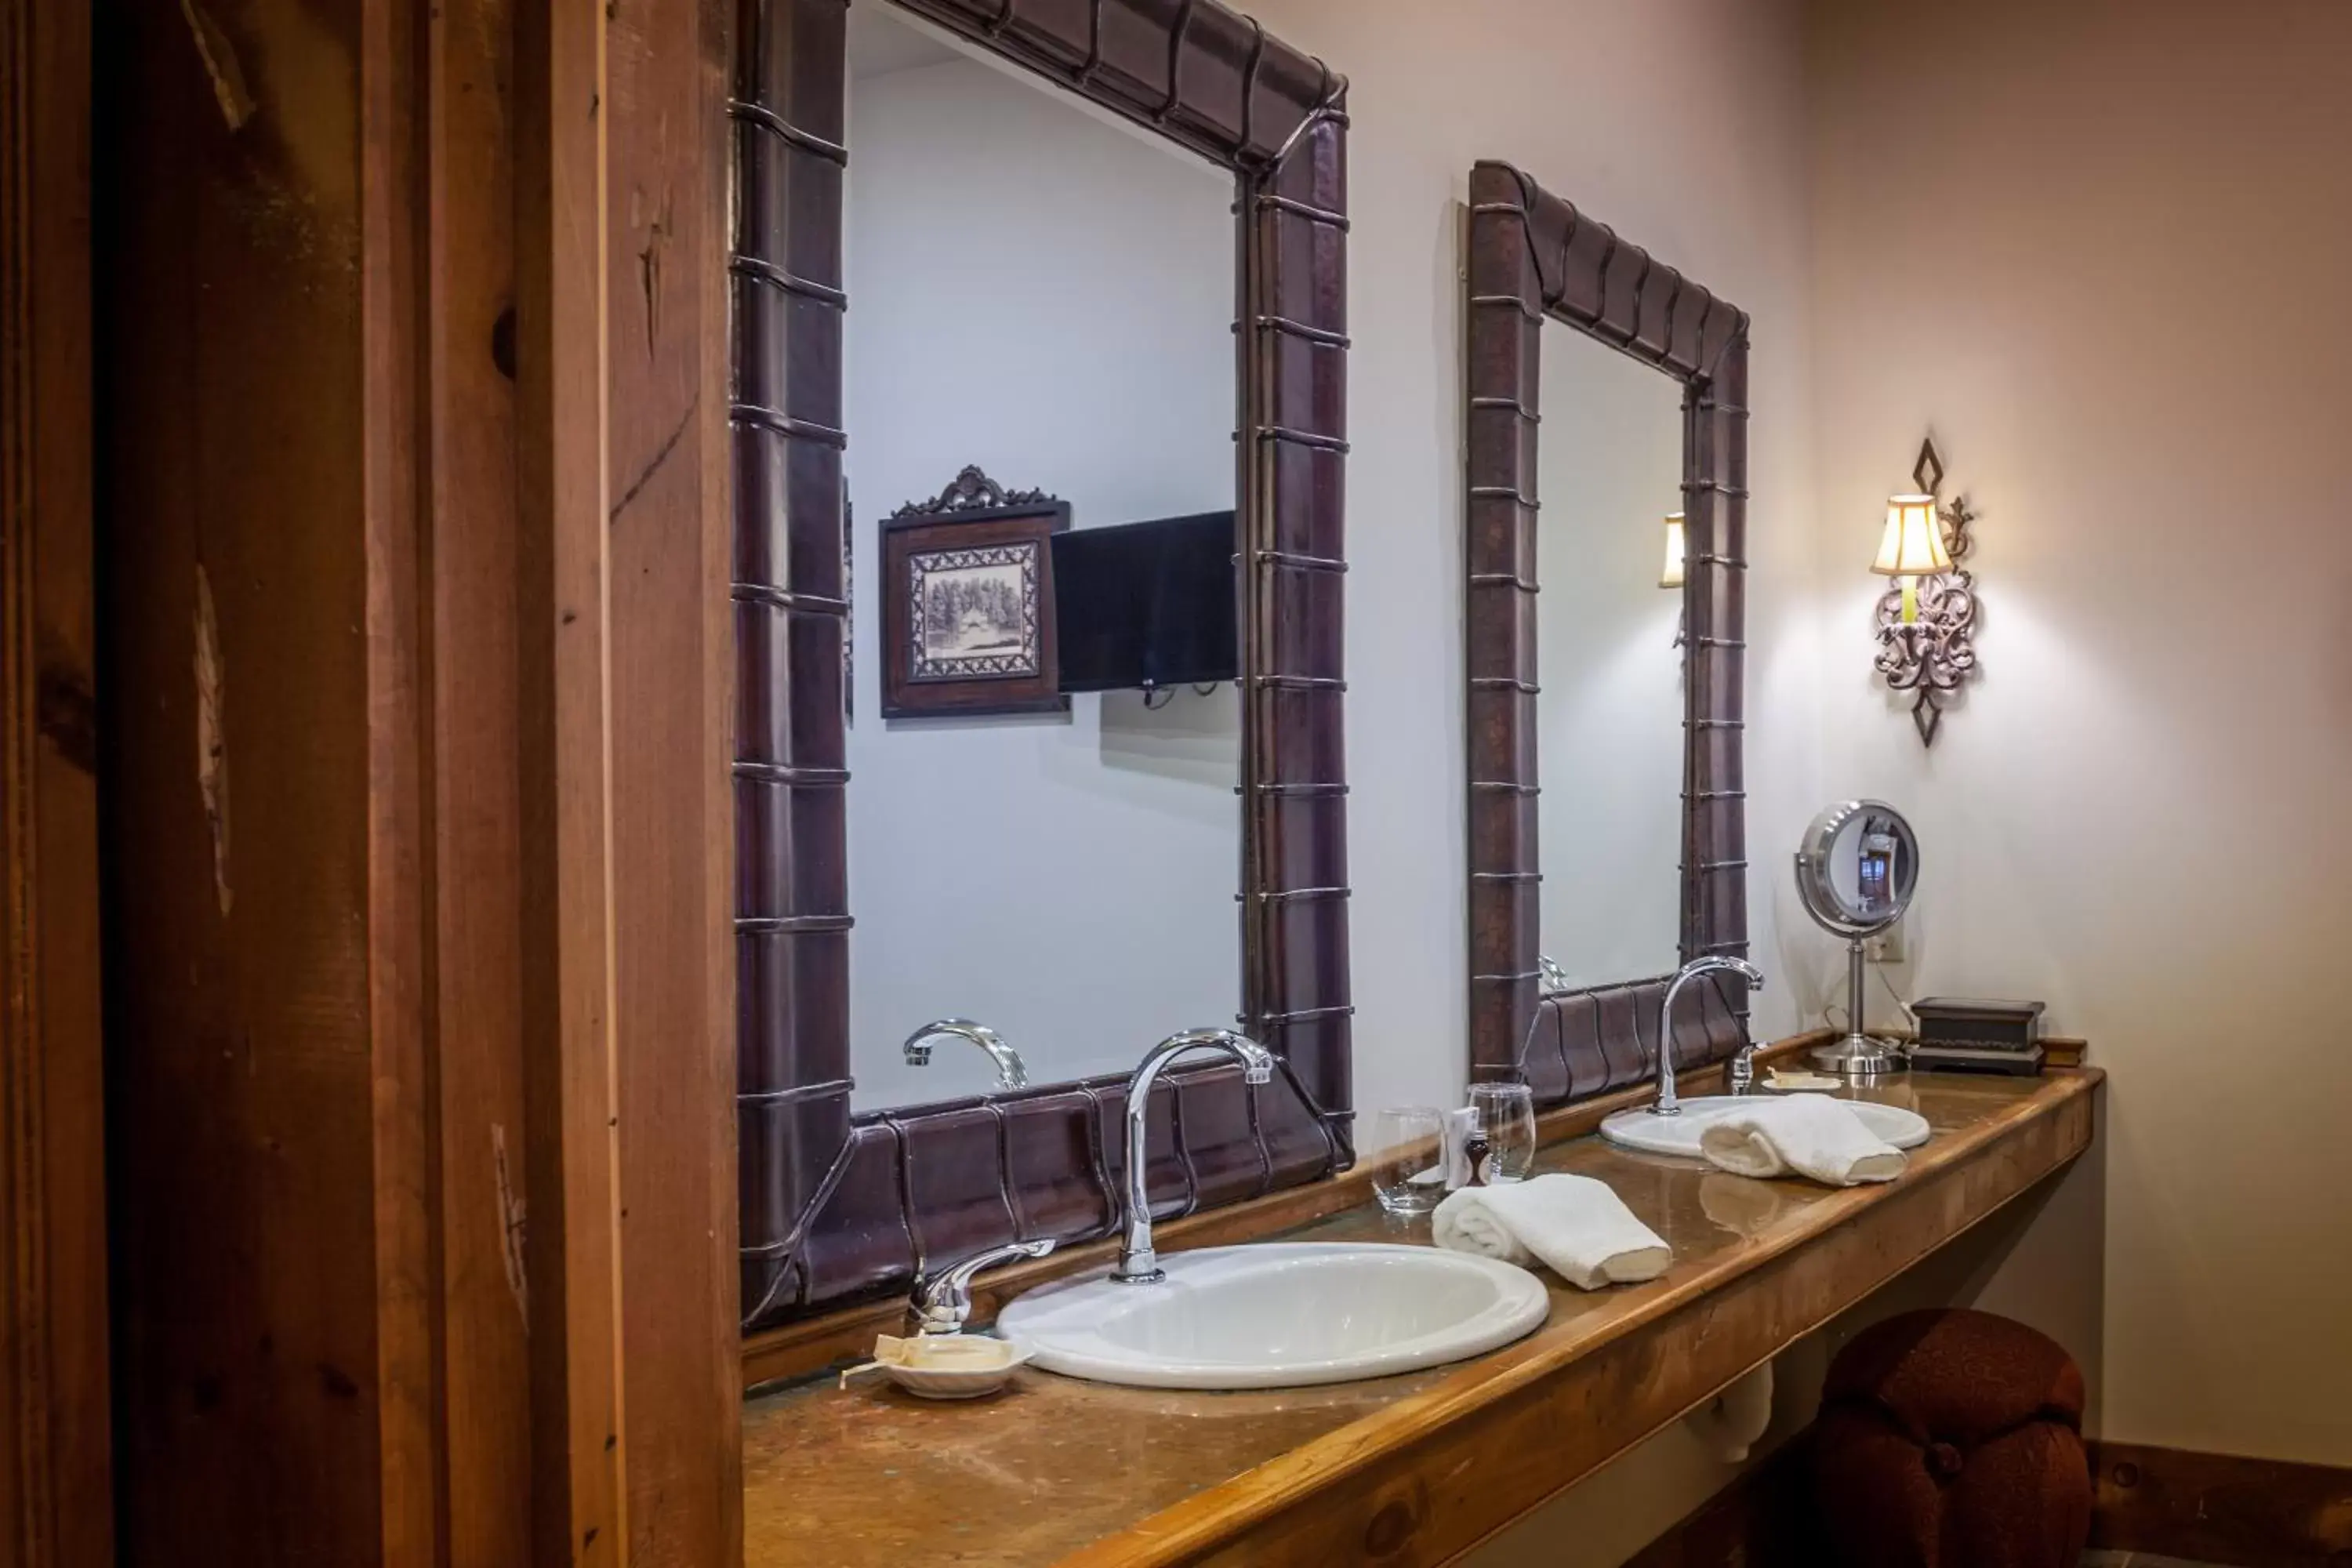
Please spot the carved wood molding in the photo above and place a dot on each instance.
(1533, 258)
(971, 490)
(834, 1206)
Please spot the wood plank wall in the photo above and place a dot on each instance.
(240, 647)
(421, 1049)
(53, 1504)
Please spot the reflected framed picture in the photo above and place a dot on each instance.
(968, 622)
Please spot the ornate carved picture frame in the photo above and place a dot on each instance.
(836, 1205)
(1533, 258)
(968, 622)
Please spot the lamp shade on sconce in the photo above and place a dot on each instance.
(1913, 543)
(1670, 574)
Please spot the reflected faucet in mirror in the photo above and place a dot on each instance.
(1010, 1073)
(1551, 979)
(1743, 1063)
(1138, 1263)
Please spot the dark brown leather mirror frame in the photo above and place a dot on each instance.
(836, 1205)
(1532, 258)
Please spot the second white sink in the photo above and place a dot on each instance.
(1637, 1129)
(1279, 1315)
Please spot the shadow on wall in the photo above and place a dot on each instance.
(1194, 738)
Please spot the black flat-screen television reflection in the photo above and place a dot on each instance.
(1147, 605)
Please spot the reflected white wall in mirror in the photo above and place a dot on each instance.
(1608, 721)
(1048, 293)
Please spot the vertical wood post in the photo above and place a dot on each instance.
(56, 1509)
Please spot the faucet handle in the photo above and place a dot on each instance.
(943, 1300)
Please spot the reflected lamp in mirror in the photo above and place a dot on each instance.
(1925, 623)
(1677, 550)
(1670, 575)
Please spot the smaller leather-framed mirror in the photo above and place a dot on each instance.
(1573, 1024)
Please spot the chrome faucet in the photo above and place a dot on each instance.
(1137, 1264)
(943, 1300)
(1742, 1064)
(1010, 1074)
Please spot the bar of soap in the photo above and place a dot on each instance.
(943, 1352)
(1784, 1080)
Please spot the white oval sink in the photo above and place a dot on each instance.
(1637, 1129)
(1278, 1315)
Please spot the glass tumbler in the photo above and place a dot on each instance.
(1507, 1115)
(1409, 1173)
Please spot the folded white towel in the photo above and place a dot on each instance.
(1576, 1226)
(1810, 1134)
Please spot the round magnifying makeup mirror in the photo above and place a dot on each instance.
(1856, 870)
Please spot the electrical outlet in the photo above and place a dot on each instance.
(1887, 947)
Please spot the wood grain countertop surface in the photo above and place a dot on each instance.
(1397, 1470)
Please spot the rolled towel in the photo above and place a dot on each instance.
(1578, 1229)
(1810, 1134)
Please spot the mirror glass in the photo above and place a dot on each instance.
(1044, 738)
(1858, 867)
(1609, 718)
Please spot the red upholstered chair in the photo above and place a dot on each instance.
(1953, 1439)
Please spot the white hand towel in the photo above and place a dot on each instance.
(1810, 1134)
(1576, 1226)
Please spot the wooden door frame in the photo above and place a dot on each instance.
(542, 513)
(56, 1509)
(626, 694)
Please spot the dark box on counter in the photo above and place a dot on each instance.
(1960, 1034)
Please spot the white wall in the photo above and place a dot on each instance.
(1681, 123)
(1609, 461)
(1049, 294)
(2103, 249)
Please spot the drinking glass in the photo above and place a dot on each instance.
(1507, 1115)
(1409, 1174)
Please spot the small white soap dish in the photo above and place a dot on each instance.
(944, 1366)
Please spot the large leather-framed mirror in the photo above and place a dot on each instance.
(847, 1192)
(1606, 415)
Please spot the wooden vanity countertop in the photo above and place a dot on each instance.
(1398, 1470)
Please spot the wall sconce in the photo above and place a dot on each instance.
(1927, 622)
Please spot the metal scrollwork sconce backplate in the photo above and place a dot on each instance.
(1931, 655)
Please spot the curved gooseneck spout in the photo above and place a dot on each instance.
(1668, 1104)
(1138, 1263)
(1010, 1073)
